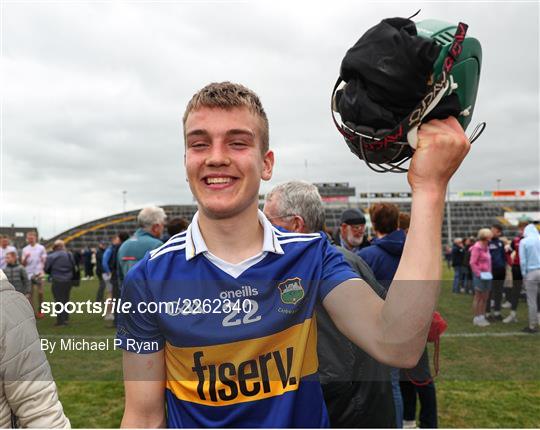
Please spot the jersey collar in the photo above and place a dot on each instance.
(195, 244)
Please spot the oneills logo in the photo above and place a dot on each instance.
(291, 291)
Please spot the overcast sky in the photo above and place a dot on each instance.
(93, 94)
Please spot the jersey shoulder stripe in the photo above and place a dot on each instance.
(178, 235)
(280, 234)
(297, 239)
(177, 238)
(167, 250)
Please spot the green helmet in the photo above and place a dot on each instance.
(398, 75)
(465, 73)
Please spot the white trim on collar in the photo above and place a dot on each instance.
(270, 241)
(195, 244)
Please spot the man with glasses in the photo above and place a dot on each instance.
(352, 230)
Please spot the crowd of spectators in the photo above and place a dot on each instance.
(499, 271)
(488, 266)
(27, 269)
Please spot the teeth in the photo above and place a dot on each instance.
(218, 180)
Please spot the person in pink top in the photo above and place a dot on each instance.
(33, 260)
(481, 271)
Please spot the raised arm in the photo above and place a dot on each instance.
(144, 383)
(395, 331)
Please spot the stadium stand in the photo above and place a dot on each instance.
(467, 216)
(104, 229)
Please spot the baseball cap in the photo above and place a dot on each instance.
(352, 217)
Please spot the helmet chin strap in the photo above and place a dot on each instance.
(404, 133)
(412, 135)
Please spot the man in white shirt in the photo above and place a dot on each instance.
(33, 260)
(5, 247)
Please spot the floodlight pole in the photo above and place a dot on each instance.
(124, 200)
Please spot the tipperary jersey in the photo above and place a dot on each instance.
(240, 340)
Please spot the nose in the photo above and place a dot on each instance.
(218, 156)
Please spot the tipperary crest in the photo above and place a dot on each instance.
(291, 291)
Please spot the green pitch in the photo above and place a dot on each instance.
(487, 381)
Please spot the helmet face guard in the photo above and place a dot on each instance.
(450, 64)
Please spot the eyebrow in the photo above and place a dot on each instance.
(239, 131)
(197, 132)
(232, 132)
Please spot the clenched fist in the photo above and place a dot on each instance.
(442, 146)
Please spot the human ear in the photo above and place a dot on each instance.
(268, 166)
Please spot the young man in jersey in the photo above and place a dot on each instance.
(256, 365)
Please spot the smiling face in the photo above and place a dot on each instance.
(224, 161)
(353, 234)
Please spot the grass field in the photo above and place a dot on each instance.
(485, 381)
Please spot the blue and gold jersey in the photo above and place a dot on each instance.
(240, 340)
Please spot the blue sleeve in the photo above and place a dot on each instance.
(335, 270)
(138, 329)
(523, 257)
(105, 260)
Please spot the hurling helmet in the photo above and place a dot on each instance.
(398, 75)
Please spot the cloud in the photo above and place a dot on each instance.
(94, 94)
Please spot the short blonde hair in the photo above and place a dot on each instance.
(228, 95)
(484, 233)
